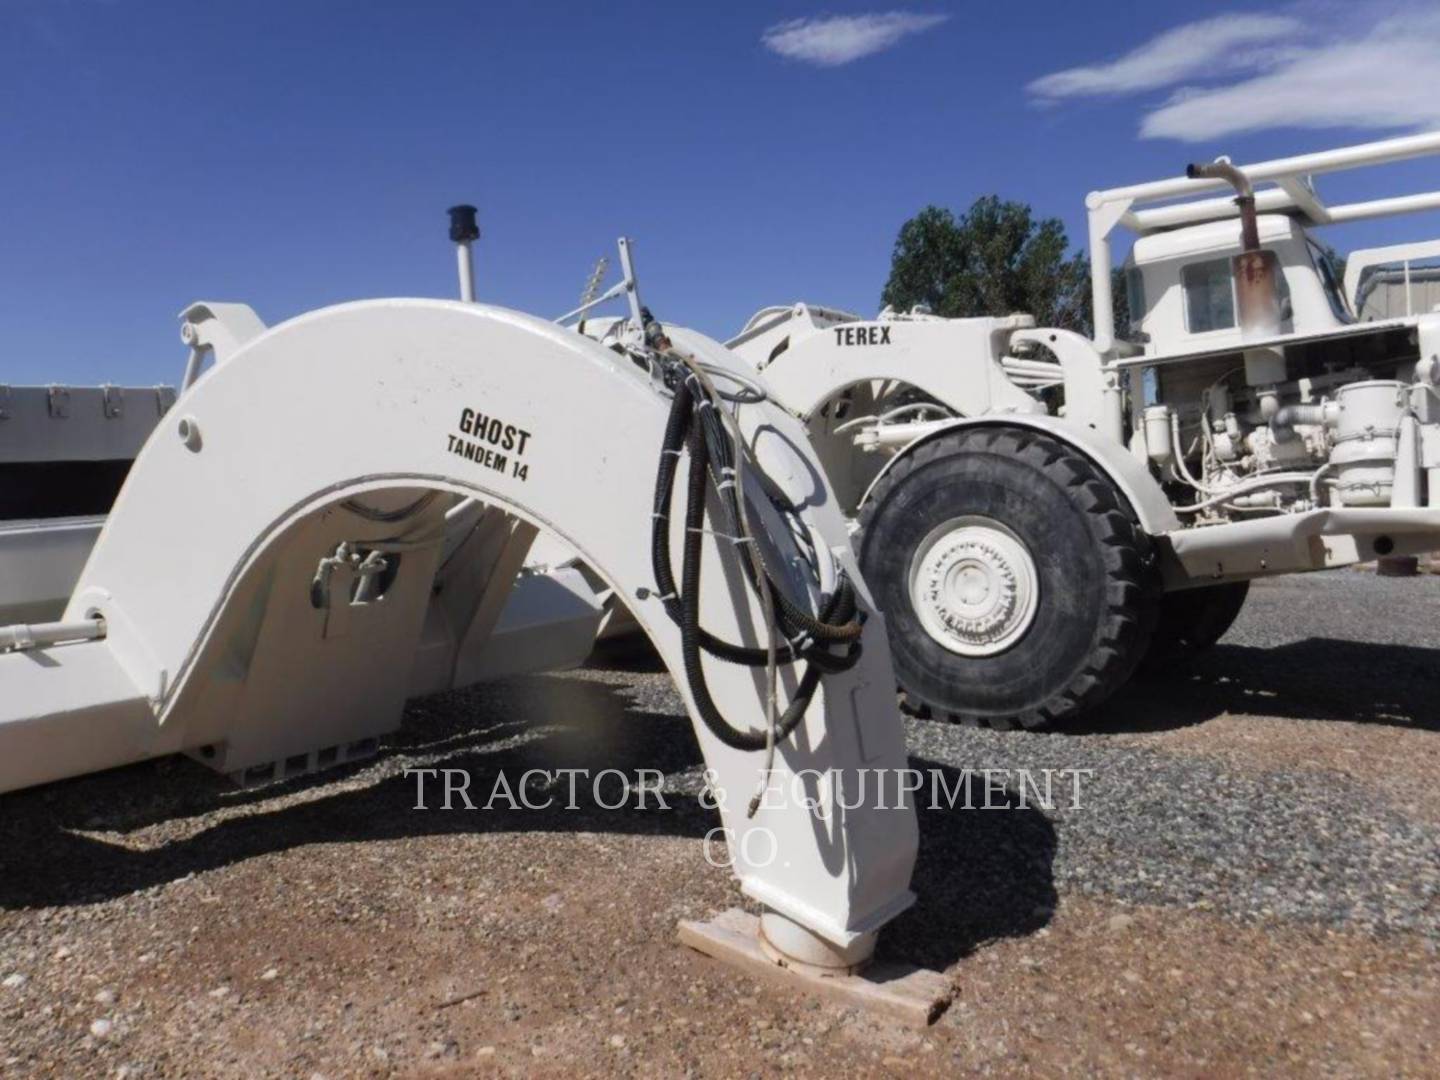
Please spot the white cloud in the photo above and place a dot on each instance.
(1387, 79)
(1362, 66)
(1221, 44)
(832, 40)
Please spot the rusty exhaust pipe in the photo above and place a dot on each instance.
(1244, 197)
(1255, 292)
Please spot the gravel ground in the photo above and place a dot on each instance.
(1248, 883)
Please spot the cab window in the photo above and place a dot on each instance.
(1135, 296)
(1209, 296)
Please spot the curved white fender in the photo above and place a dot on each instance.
(372, 397)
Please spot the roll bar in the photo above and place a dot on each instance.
(1292, 192)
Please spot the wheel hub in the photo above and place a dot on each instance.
(974, 586)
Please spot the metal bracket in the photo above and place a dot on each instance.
(626, 287)
(4, 403)
(357, 575)
(164, 399)
(347, 557)
(59, 398)
(219, 329)
(632, 286)
(114, 402)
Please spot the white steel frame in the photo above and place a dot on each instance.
(1292, 192)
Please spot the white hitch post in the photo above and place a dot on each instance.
(268, 576)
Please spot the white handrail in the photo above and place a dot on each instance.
(1294, 193)
(1382, 152)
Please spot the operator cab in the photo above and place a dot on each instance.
(1181, 289)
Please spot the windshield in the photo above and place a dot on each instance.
(1330, 278)
(1209, 296)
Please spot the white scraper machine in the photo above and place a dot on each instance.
(333, 514)
(1038, 512)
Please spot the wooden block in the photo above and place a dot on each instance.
(912, 995)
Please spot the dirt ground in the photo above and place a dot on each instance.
(576, 973)
(155, 922)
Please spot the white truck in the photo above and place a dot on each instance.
(1037, 511)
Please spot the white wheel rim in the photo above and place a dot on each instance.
(973, 586)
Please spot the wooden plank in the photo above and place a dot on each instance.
(915, 996)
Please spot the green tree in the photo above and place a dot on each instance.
(993, 260)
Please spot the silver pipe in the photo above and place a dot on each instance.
(1245, 487)
(1031, 367)
(22, 637)
(1282, 424)
(1244, 197)
(466, 267)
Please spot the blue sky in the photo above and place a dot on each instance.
(292, 155)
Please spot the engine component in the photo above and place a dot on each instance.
(1367, 432)
(1273, 452)
(1159, 445)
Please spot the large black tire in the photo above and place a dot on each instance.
(1098, 585)
(1191, 621)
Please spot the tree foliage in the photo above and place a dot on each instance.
(995, 259)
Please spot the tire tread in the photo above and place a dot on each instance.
(1132, 592)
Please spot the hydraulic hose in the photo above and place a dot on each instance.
(696, 425)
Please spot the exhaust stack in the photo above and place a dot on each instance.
(464, 232)
(1256, 295)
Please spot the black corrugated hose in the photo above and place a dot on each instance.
(695, 424)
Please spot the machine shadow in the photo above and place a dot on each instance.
(1318, 679)
(630, 652)
(106, 835)
(982, 874)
